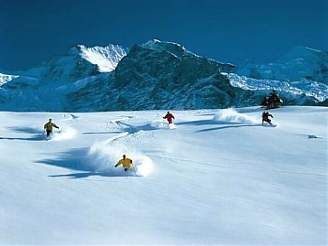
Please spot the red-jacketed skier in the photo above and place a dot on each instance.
(169, 117)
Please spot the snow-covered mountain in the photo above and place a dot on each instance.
(298, 64)
(80, 62)
(106, 58)
(4, 78)
(153, 75)
(159, 75)
(44, 88)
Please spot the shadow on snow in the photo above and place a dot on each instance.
(30, 130)
(206, 122)
(225, 127)
(134, 129)
(37, 134)
(100, 133)
(89, 174)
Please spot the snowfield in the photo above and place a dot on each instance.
(218, 177)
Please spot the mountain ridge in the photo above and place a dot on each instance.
(153, 75)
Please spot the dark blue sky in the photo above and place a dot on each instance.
(32, 31)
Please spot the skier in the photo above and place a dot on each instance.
(265, 103)
(49, 127)
(274, 100)
(169, 117)
(125, 162)
(265, 118)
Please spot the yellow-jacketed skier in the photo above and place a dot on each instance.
(125, 162)
(49, 127)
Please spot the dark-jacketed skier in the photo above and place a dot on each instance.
(48, 127)
(266, 118)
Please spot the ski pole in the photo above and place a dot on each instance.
(135, 170)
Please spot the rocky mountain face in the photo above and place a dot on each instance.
(153, 75)
(161, 75)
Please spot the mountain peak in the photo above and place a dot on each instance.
(4, 78)
(106, 58)
(160, 46)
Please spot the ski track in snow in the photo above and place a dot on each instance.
(105, 154)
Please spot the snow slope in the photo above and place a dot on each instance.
(218, 178)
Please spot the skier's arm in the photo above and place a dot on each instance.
(271, 115)
(54, 125)
(118, 163)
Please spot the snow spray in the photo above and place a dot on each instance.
(230, 115)
(104, 155)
